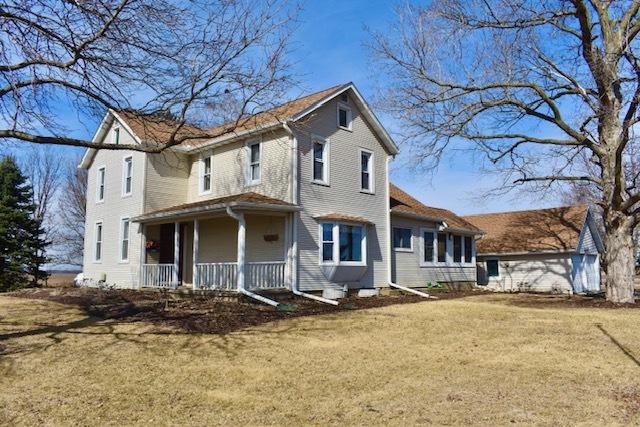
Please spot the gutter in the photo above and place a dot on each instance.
(294, 222)
(441, 220)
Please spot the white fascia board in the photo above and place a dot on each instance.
(364, 107)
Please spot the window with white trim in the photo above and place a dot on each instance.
(457, 248)
(255, 153)
(205, 174)
(327, 242)
(320, 161)
(100, 183)
(493, 268)
(402, 239)
(97, 248)
(343, 243)
(429, 252)
(344, 117)
(127, 175)
(442, 247)
(116, 135)
(468, 249)
(124, 239)
(366, 171)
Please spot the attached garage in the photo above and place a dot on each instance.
(546, 250)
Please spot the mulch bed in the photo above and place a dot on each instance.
(566, 301)
(204, 314)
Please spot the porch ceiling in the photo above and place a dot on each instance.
(247, 201)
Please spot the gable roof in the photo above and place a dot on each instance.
(404, 204)
(151, 129)
(541, 230)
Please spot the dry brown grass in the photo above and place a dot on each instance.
(479, 360)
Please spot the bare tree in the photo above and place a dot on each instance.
(43, 170)
(72, 214)
(532, 85)
(188, 60)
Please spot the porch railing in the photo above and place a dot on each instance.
(265, 275)
(222, 275)
(158, 276)
(218, 276)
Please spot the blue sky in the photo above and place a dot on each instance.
(328, 48)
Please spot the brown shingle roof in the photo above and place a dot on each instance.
(152, 129)
(343, 217)
(243, 198)
(555, 229)
(403, 203)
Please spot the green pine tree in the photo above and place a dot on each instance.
(22, 246)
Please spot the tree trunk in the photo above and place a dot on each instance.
(619, 257)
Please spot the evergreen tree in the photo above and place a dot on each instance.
(21, 243)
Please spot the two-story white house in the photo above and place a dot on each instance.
(297, 197)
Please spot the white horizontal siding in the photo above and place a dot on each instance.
(110, 211)
(228, 169)
(166, 180)
(342, 195)
(406, 269)
(533, 272)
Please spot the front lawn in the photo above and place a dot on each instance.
(489, 359)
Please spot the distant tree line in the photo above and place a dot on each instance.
(42, 214)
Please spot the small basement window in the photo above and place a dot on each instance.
(402, 239)
(493, 268)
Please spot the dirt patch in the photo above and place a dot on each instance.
(563, 301)
(629, 397)
(204, 314)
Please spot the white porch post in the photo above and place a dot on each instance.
(196, 248)
(287, 251)
(143, 255)
(242, 235)
(176, 252)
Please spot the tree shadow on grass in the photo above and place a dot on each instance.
(627, 352)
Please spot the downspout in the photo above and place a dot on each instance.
(389, 244)
(294, 222)
(242, 225)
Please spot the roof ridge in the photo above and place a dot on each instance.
(576, 205)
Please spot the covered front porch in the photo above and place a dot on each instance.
(228, 248)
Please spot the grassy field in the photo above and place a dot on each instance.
(492, 359)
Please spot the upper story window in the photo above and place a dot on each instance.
(366, 171)
(116, 135)
(127, 175)
(100, 183)
(320, 161)
(205, 174)
(402, 239)
(342, 244)
(124, 239)
(344, 117)
(97, 251)
(253, 165)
